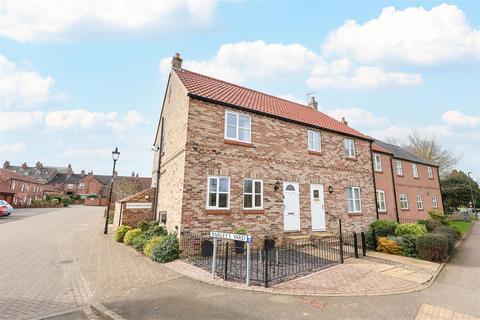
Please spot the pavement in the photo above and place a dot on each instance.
(55, 260)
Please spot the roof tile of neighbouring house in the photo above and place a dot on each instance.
(220, 91)
(400, 153)
(13, 175)
(379, 148)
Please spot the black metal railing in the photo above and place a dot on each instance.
(270, 264)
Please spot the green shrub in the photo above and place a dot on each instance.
(384, 228)
(138, 243)
(410, 229)
(439, 216)
(143, 225)
(155, 231)
(450, 234)
(54, 202)
(457, 230)
(408, 244)
(147, 250)
(388, 246)
(433, 247)
(241, 230)
(166, 250)
(130, 235)
(37, 202)
(66, 201)
(120, 233)
(430, 224)
(76, 197)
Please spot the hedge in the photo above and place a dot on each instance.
(408, 244)
(388, 246)
(384, 228)
(433, 247)
(120, 233)
(151, 244)
(130, 235)
(166, 250)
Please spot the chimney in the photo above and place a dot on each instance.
(82, 173)
(24, 166)
(136, 176)
(177, 61)
(69, 169)
(133, 174)
(6, 164)
(38, 165)
(313, 104)
(90, 173)
(345, 122)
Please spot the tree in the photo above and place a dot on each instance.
(124, 187)
(429, 149)
(456, 191)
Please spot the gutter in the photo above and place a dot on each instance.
(440, 187)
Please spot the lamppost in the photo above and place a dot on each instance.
(115, 155)
(471, 193)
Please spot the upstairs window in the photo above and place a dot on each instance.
(13, 185)
(237, 126)
(415, 170)
(403, 201)
(81, 186)
(314, 142)
(252, 194)
(434, 202)
(218, 193)
(430, 172)
(377, 162)
(23, 187)
(69, 186)
(354, 202)
(419, 202)
(381, 201)
(349, 145)
(398, 165)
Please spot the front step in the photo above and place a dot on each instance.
(322, 234)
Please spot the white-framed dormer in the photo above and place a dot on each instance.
(238, 127)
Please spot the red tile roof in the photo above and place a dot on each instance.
(378, 148)
(16, 176)
(201, 86)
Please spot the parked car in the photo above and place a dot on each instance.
(5, 208)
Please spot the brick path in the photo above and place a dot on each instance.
(60, 259)
(430, 312)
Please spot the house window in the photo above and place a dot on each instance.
(81, 186)
(399, 167)
(403, 201)
(237, 126)
(349, 148)
(252, 194)
(354, 202)
(430, 172)
(218, 193)
(28, 187)
(70, 186)
(377, 162)
(314, 142)
(381, 206)
(415, 170)
(13, 185)
(22, 188)
(434, 202)
(419, 202)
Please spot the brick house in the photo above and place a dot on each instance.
(407, 186)
(232, 157)
(18, 189)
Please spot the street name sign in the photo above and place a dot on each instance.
(231, 236)
(139, 205)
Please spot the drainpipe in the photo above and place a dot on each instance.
(440, 187)
(374, 182)
(394, 190)
(160, 154)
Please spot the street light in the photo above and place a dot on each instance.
(471, 193)
(115, 155)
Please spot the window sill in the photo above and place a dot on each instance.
(253, 211)
(217, 211)
(351, 158)
(238, 143)
(378, 171)
(418, 178)
(355, 213)
(421, 209)
(399, 175)
(382, 212)
(404, 209)
(317, 153)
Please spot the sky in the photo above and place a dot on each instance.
(79, 78)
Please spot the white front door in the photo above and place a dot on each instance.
(317, 207)
(291, 205)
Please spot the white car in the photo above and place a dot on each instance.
(5, 208)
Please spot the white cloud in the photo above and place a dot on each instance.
(20, 120)
(129, 122)
(78, 118)
(357, 117)
(33, 20)
(21, 88)
(243, 61)
(343, 74)
(455, 117)
(413, 35)
(93, 153)
(8, 149)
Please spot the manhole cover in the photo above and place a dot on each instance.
(65, 262)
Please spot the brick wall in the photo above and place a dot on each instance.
(131, 217)
(278, 152)
(384, 182)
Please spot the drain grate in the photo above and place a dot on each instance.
(65, 262)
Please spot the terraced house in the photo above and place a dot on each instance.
(231, 157)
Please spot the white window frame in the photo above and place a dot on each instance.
(217, 192)
(399, 167)
(415, 170)
(237, 126)
(434, 202)
(377, 162)
(430, 172)
(355, 209)
(349, 146)
(313, 136)
(419, 202)
(70, 186)
(81, 186)
(13, 185)
(253, 193)
(22, 189)
(380, 209)
(402, 201)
